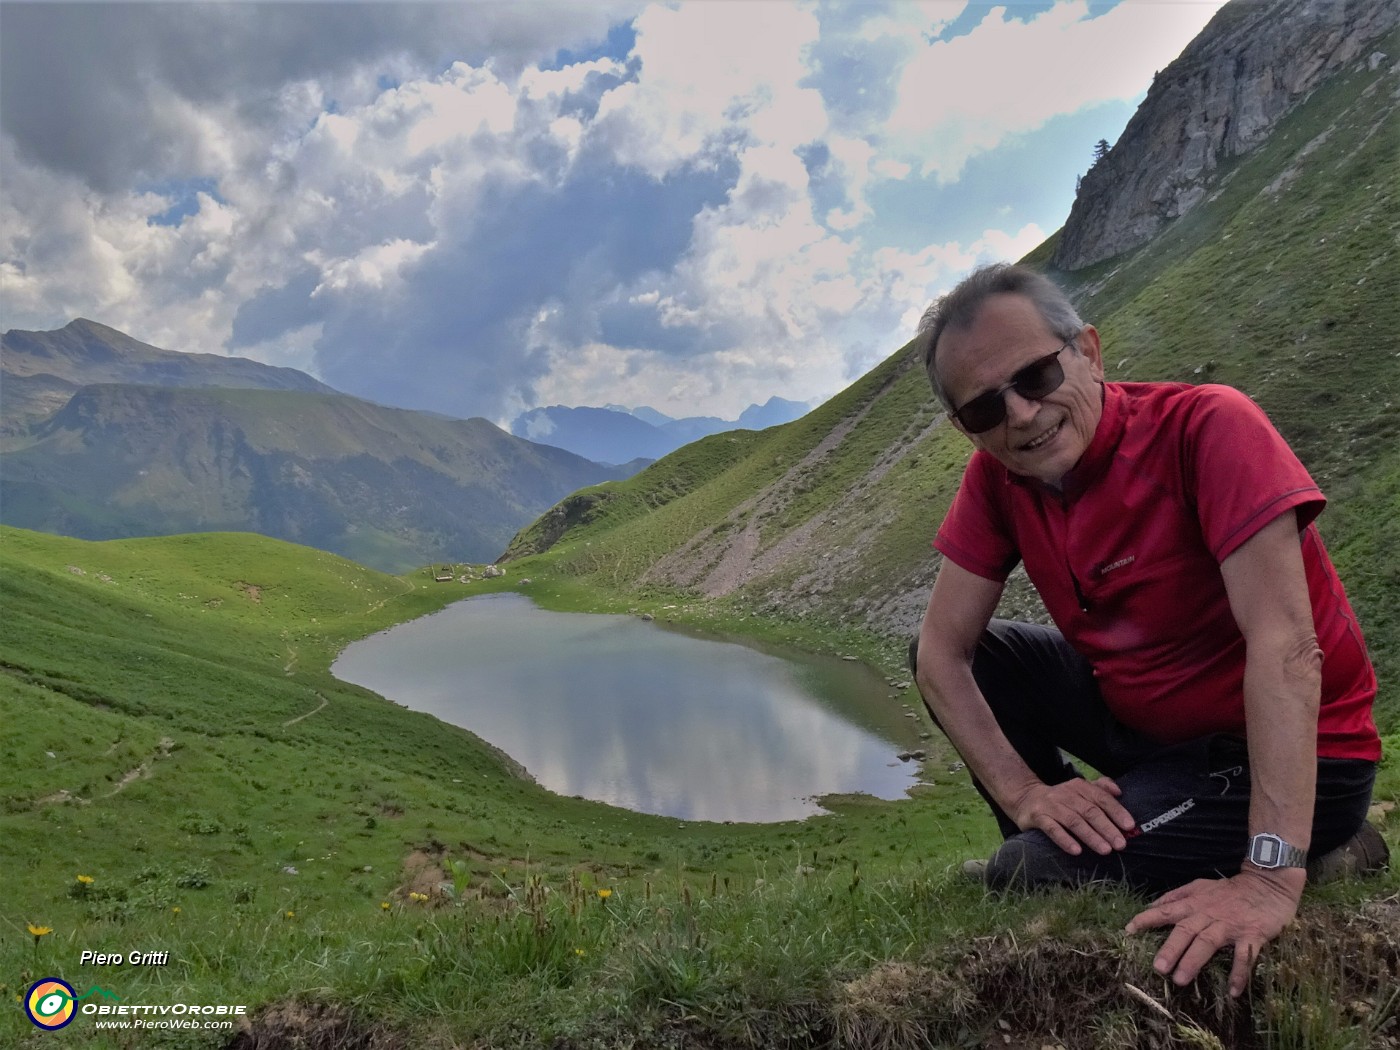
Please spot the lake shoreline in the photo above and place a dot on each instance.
(646, 715)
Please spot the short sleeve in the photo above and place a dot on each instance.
(976, 534)
(1240, 471)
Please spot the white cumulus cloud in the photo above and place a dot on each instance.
(709, 70)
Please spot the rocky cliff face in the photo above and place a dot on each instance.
(1221, 98)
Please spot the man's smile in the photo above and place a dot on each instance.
(1043, 438)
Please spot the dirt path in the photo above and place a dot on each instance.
(318, 708)
(144, 769)
(162, 750)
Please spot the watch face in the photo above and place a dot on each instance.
(1267, 849)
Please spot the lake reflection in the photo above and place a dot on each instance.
(623, 711)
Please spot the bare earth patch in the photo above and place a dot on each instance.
(1330, 969)
(423, 873)
(314, 1026)
(62, 795)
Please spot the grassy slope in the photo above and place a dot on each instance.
(857, 483)
(190, 662)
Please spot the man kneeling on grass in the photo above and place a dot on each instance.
(1207, 662)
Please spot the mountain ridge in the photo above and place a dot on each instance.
(42, 370)
(390, 487)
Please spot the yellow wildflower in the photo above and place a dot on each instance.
(175, 910)
(605, 893)
(291, 915)
(39, 931)
(86, 880)
(580, 952)
(383, 905)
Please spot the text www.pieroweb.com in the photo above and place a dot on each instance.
(187, 1017)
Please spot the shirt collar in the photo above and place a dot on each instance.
(1097, 456)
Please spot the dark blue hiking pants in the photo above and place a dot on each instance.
(1191, 800)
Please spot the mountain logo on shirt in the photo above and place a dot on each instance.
(1104, 568)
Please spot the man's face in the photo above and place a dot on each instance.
(1038, 439)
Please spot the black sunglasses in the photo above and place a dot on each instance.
(1038, 379)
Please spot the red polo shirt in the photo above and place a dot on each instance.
(1127, 559)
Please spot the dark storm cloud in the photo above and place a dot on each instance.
(83, 86)
(632, 324)
(456, 338)
(276, 311)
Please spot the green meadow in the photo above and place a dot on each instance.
(350, 870)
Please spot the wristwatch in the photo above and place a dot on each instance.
(1270, 851)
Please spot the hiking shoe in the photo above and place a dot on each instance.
(1365, 853)
(975, 869)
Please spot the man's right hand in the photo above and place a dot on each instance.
(1076, 811)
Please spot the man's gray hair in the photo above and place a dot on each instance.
(958, 310)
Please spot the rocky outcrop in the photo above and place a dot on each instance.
(1221, 98)
(577, 509)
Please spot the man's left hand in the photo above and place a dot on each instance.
(1247, 911)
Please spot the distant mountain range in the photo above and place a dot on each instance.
(103, 436)
(615, 434)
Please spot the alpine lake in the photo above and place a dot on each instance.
(650, 718)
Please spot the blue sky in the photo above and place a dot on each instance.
(479, 209)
